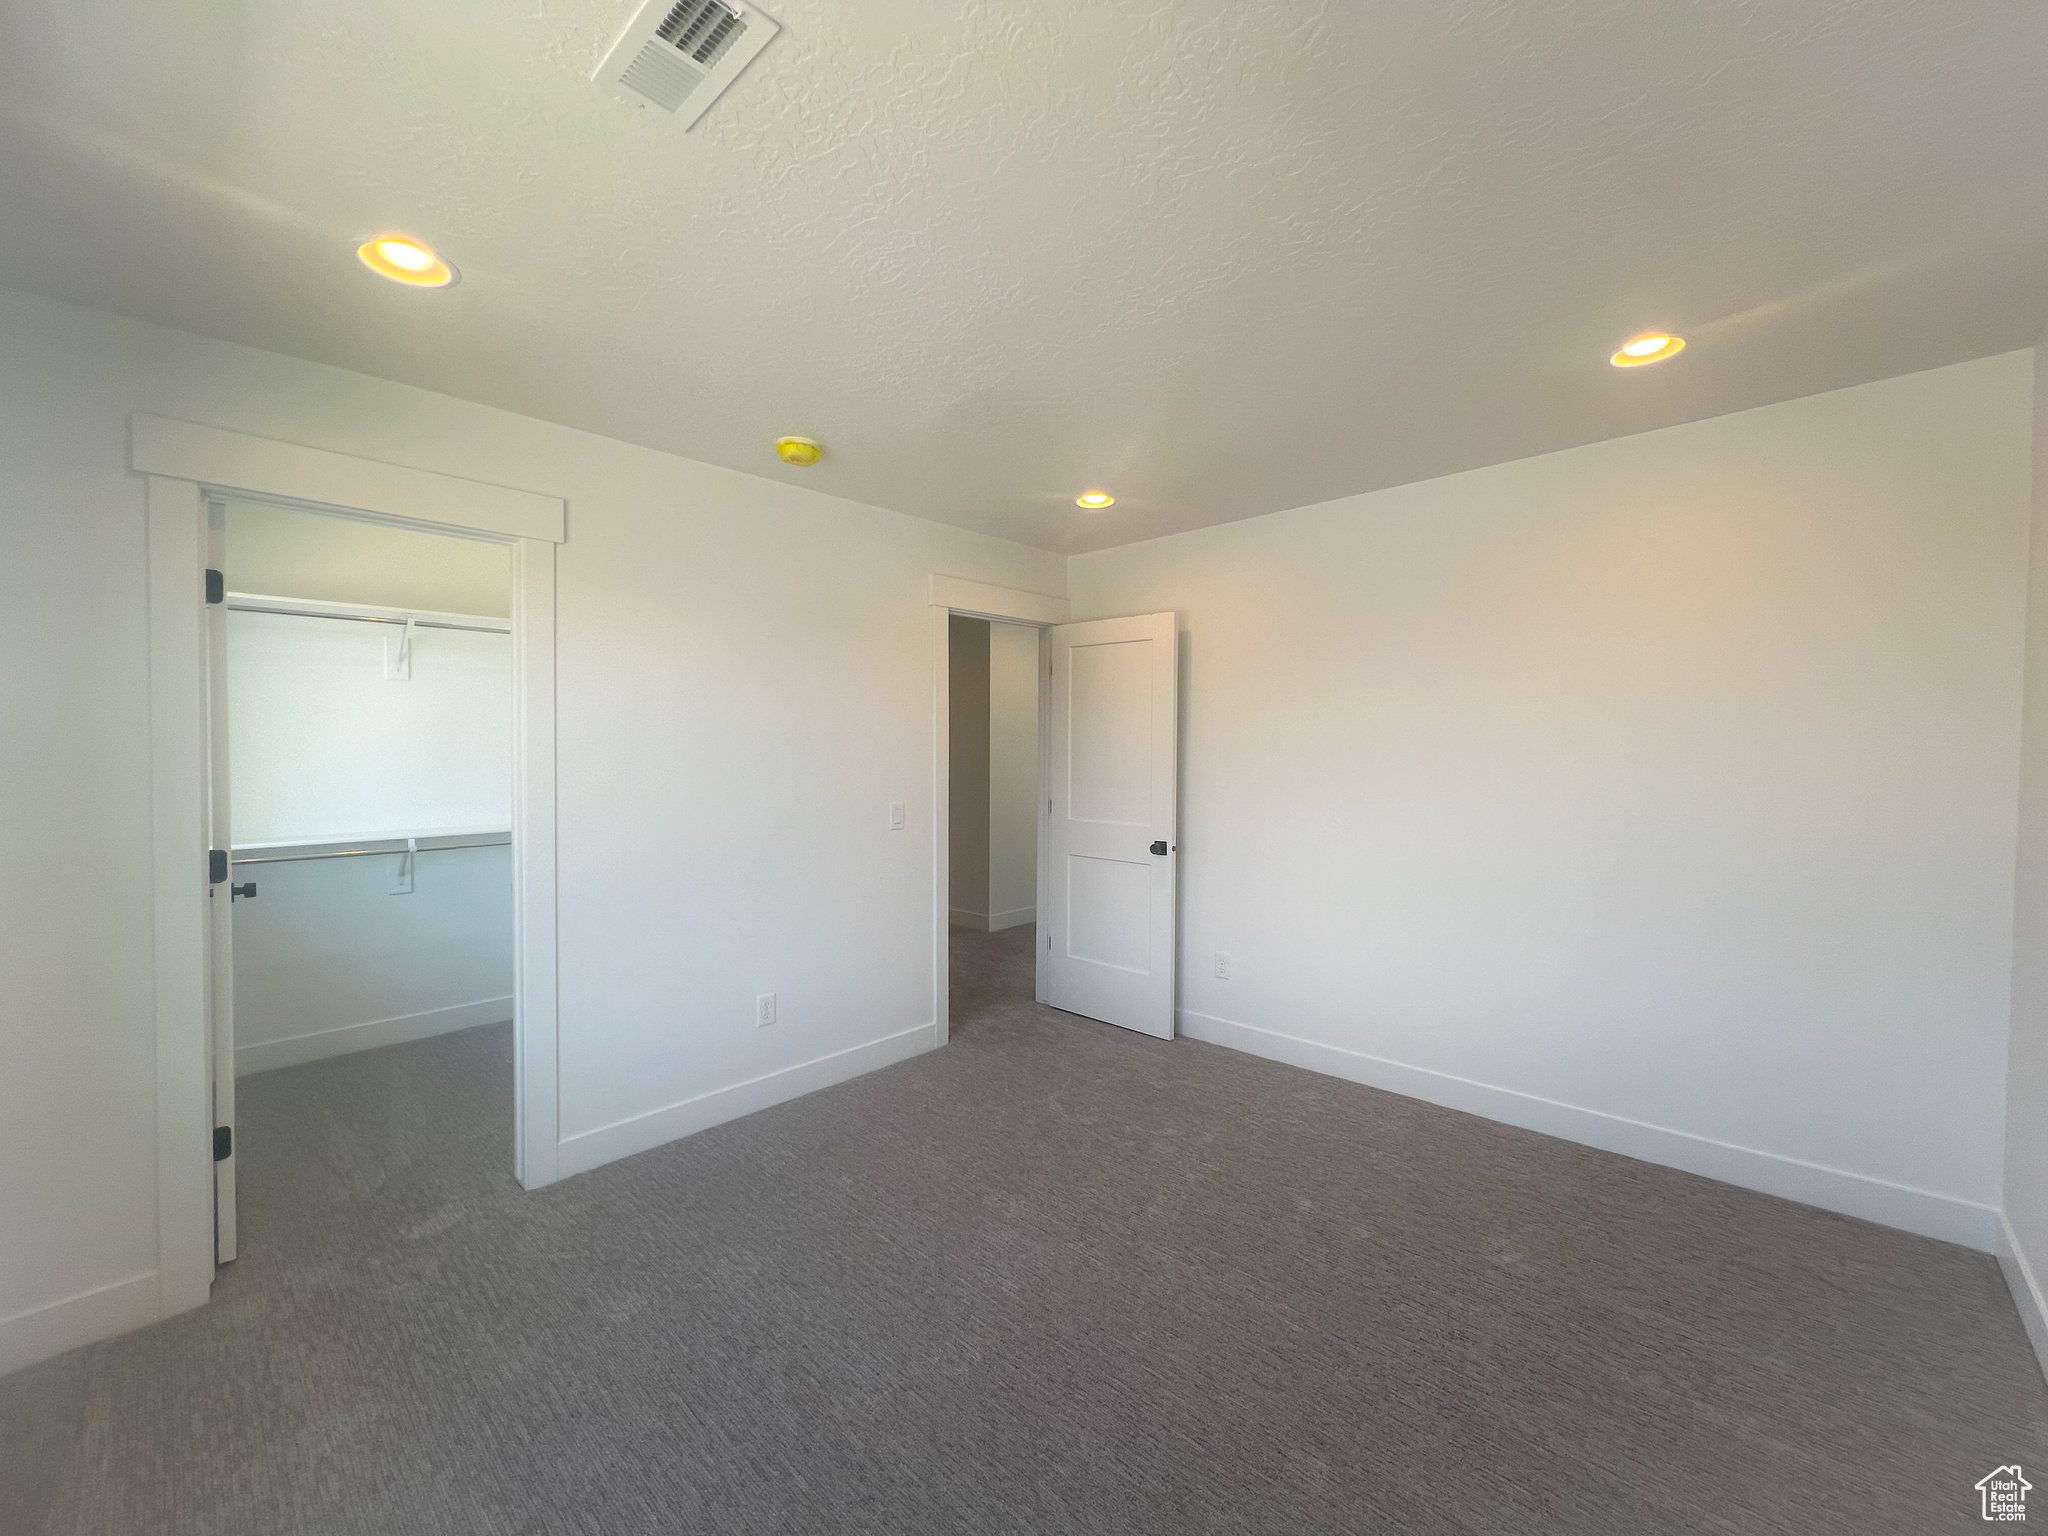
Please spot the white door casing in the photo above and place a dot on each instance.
(980, 600)
(184, 464)
(1111, 823)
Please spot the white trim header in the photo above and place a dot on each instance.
(990, 602)
(256, 466)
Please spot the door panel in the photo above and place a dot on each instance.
(220, 950)
(1109, 776)
(1108, 913)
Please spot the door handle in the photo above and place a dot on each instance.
(248, 890)
(1159, 848)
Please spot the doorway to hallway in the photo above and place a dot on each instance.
(1104, 801)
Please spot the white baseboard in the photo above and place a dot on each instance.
(1852, 1194)
(47, 1331)
(623, 1138)
(2025, 1288)
(264, 1055)
(960, 917)
(1016, 917)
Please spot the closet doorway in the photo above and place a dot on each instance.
(360, 686)
(187, 467)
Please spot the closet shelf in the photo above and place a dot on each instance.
(365, 613)
(357, 848)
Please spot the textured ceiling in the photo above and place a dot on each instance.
(1220, 256)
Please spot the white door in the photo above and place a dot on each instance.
(1112, 832)
(220, 952)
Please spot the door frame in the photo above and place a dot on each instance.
(1008, 605)
(186, 464)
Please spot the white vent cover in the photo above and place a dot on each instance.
(680, 55)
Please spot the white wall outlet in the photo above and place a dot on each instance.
(895, 815)
(1222, 966)
(764, 1010)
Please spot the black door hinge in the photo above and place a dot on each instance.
(223, 1143)
(216, 865)
(216, 588)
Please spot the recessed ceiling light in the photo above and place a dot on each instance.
(405, 261)
(1095, 501)
(800, 451)
(1651, 348)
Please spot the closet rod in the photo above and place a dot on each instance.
(268, 605)
(382, 846)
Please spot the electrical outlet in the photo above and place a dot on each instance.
(764, 1010)
(895, 815)
(1222, 966)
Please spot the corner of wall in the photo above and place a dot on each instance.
(2025, 1285)
(2023, 1182)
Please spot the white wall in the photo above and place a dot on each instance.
(283, 552)
(324, 747)
(2023, 1245)
(1012, 775)
(1659, 793)
(745, 683)
(328, 960)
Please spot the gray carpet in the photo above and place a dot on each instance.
(1056, 1277)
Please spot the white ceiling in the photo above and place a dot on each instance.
(1219, 256)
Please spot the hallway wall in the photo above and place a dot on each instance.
(967, 776)
(1013, 775)
(993, 826)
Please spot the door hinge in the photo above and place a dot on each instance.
(216, 588)
(223, 1143)
(216, 865)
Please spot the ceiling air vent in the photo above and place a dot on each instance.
(680, 55)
